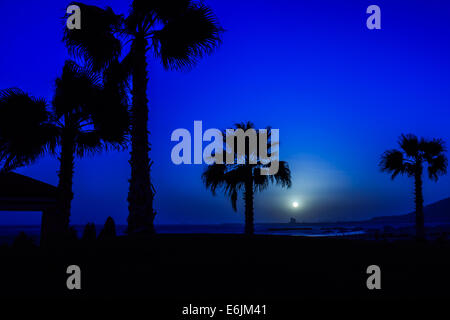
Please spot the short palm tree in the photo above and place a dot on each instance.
(410, 160)
(246, 177)
(87, 115)
(178, 33)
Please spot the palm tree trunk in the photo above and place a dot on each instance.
(140, 194)
(248, 198)
(65, 174)
(418, 197)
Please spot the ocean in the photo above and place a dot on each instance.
(9, 233)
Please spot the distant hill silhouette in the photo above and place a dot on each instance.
(435, 212)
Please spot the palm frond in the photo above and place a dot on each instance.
(88, 143)
(233, 197)
(145, 13)
(437, 166)
(96, 42)
(164, 10)
(261, 181)
(26, 130)
(283, 176)
(392, 162)
(433, 148)
(214, 177)
(110, 109)
(75, 88)
(410, 144)
(187, 37)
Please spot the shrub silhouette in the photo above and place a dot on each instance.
(109, 230)
(89, 233)
(23, 242)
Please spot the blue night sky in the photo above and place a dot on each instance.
(339, 93)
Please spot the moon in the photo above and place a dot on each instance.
(295, 204)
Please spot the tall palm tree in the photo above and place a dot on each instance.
(410, 160)
(178, 33)
(87, 116)
(246, 177)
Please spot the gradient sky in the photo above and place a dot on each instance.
(339, 93)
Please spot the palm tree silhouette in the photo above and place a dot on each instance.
(179, 33)
(414, 153)
(247, 177)
(87, 116)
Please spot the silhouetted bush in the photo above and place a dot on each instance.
(442, 238)
(69, 238)
(89, 233)
(72, 234)
(22, 241)
(109, 230)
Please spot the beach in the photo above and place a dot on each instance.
(190, 267)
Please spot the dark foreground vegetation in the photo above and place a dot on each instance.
(229, 268)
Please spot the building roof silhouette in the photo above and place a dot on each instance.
(19, 192)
